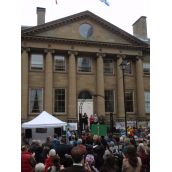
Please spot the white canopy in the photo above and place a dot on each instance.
(44, 120)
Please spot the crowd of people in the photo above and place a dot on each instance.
(88, 153)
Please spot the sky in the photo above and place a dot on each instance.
(121, 13)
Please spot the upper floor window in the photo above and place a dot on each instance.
(36, 62)
(129, 101)
(84, 64)
(109, 101)
(147, 101)
(128, 68)
(35, 100)
(59, 63)
(108, 66)
(146, 68)
(59, 100)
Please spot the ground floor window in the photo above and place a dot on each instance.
(109, 101)
(35, 100)
(129, 101)
(59, 100)
(147, 101)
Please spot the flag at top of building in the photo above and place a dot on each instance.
(106, 2)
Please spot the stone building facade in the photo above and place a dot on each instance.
(73, 61)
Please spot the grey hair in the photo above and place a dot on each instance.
(40, 167)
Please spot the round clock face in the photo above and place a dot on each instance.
(85, 30)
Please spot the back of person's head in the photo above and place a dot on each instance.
(131, 153)
(78, 153)
(56, 162)
(40, 167)
(52, 153)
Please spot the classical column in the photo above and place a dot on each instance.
(120, 89)
(140, 87)
(24, 83)
(100, 85)
(48, 81)
(72, 100)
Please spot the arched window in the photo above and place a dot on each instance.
(85, 95)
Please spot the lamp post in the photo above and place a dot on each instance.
(123, 66)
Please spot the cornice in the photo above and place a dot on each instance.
(79, 16)
(84, 42)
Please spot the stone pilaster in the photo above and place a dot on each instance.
(120, 89)
(100, 85)
(140, 87)
(24, 83)
(48, 104)
(72, 86)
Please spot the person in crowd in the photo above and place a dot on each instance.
(91, 119)
(91, 162)
(80, 123)
(45, 152)
(55, 167)
(126, 144)
(69, 135)
(40, 167)
(98, 150)
(63, 149)
(67, 161)
(96, 120)
(55, 142)
(131, 161)
(49, 160)
(109, 164)
(79, 165)
(48, 143)
(36, 147)
(27, 160)
(142, 153)
(85, 121)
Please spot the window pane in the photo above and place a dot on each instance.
(109, 101)
(146, 68)
(84, 64)
(37, 61)
(35, 101)
(59, 102)
(129, 102)
(128, 69)
(147, 102)
(108, 66)
(59, 63)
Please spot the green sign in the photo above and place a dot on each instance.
(100, 130)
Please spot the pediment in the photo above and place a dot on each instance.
(68, 28)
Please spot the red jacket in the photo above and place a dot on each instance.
(25, 162)
(48, 163)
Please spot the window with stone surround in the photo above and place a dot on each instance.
(108, 66)
(36, 62)
(109, 100)
(147, 101)
(146, 68)
(59, 100)
(35, 100)
(128, 69)
(84, 64)
(129, 101)
(59, 63)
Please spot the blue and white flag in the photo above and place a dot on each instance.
(106, 2)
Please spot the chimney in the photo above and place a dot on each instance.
(140, 28)
(40, 15)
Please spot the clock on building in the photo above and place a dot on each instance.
(86, 30)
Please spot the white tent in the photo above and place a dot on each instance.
(44, 120)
